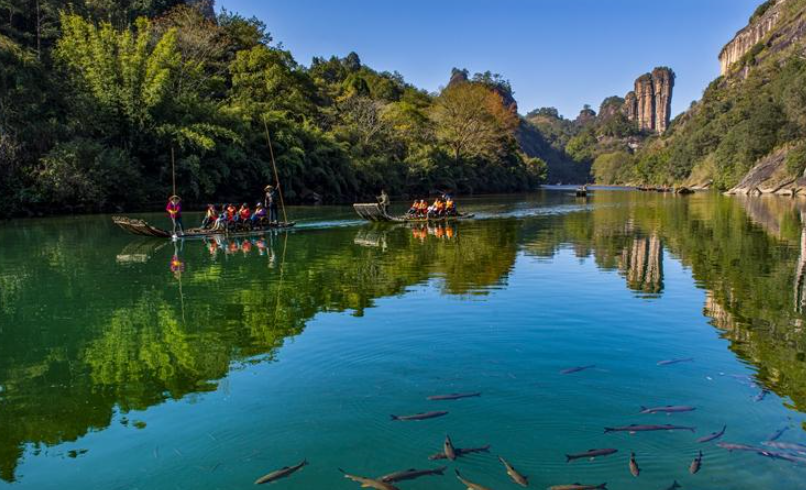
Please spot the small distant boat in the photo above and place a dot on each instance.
(143, 228)
(376, 213)
(582, 191)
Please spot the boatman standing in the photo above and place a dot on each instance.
(270, 202)
(383, 200)
(174, 209)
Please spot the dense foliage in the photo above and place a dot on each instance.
(94, 97)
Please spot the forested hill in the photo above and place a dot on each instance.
(748, 132)
(94, 95)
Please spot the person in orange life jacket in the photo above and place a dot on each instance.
(174, 209)
(244, 213)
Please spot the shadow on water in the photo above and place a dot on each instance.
(94, 324)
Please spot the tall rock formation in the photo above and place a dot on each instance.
(765, 19)
(650, 104)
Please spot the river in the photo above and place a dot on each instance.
(136, 363)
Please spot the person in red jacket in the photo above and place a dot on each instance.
(244, 213)
(174, 209)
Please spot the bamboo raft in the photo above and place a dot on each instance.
(376, 213)
(143, 228)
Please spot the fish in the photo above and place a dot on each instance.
(513, 473)
(788, 457)
(461, 452)
(674, 486)
(632, 429)
(668, 409)
(786, 446)
(411, 474)
(713, 435)
(448, 449)
(743, 447)
(778, 433)
(281, 473)
(420, 416)
(634, 469)
(577, 369)
(669, 362)
(453, 396)
(578, 486)
(762, 395)
(469, 484)
(590, 453)
(369, 482)
(696, 464)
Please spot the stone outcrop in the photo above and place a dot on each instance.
(745, 39)
(650, 104)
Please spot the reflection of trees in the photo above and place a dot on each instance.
(128, 345)
(140, 339)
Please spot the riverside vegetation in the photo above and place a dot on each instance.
(94, 95)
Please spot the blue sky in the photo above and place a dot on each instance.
(561, 53)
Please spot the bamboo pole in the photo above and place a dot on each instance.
(173, 171)
(274, 165)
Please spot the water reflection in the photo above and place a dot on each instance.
(91, 331)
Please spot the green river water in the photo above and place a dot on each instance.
(136, 363)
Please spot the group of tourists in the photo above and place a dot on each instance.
(229, 216)
(441, 207)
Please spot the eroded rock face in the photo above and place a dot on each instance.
(748, 37)
(650, 104)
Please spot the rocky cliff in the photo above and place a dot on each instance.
(650, 104)
(763, 22)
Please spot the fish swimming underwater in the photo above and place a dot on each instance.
(590, 454)
(411, 474)
(514, 474)
(713, 436)
(420, 416)
(453, 396)
(281, 473)
(632, 429)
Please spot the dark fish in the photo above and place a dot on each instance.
(513, 473)
(453, 396)
(669, 362)
(696, 464)
(420, 416)
(788, 457)
(762, 395)
(369, 482)
(632, 429)
(469, 484)
(743, 447)
(713, 436)
(461, 452)
(577, 369)
(634, 469)
(281, 473)
(411, 474)
(792, 447)
(577, 486)
(668, 409)
(591, 454)
(777, 435)
(448, 449)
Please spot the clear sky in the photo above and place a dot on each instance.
(561, 53)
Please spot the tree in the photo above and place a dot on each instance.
(471, 119)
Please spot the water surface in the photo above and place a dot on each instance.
(138, 363)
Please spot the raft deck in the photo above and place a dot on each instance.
(143, 228)
(376, 213)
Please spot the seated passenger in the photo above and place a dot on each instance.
(260, 212)
(450, 207)
(414, 207)
(244, 213)
(210, 216)
(232, 211)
